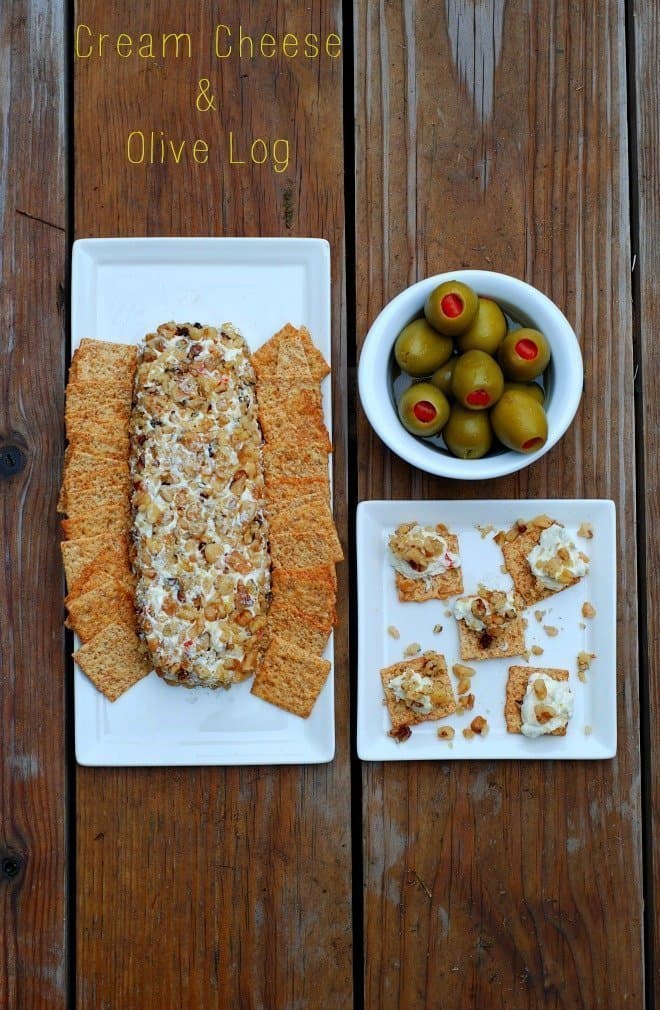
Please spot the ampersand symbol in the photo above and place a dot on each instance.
(204, 96)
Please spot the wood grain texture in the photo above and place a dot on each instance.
(218, 887)
(494, 135)
(645, 38)
(32, 270)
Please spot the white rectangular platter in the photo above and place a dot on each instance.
(591, 733)
(121, 290)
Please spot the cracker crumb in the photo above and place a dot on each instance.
(393, 632)
(588, 730)
(588, 609)
(412, 649)
(459, 670)
(539, 615)
(446, 733)
(484, 530)
(585, 659)
(537, 650)
(449, 613)
(479, 725)
(467, 733)
(586, 531)
(437, 629)
(550, 630)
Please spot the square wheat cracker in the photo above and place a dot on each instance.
(111, 603)
(303, 537)
(111, 562)
(439, 587)
(515, 559)
(293, 369)
(283, 462)
(311, 590)
(432, 665)
(290, 677)
(98, 360)
(293, 625)
(516, 686)
(97, 521)
(78, 554)
(510, 642)
(113, 660)
(264, 359)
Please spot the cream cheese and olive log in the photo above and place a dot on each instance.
(199, 536)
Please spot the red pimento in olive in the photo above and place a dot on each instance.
(519, 422)
(423, 409)
(451, 307)
(477, 382)
(524, 354)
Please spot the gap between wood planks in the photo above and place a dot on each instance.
(645, 741)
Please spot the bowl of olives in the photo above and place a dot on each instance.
(470, 374)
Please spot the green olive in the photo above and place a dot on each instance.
(531, 388)
(423, 409)
(419, 349)
(451, 308)
(442, 376)
(477, 381)
(523, 354)
(487, 330)
(468, 433)
(519, 422)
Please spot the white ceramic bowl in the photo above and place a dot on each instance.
(563, 379)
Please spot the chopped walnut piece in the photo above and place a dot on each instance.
(584, 660)
(544, 713)
(550, 631)
(540, 689)
(412, 649)
(437, 629)
(586, 531)
(446, 733)
(588, 610)
(479, 725)
(449, 613)
(393, 632)
(468, 733)
(583, 677)
(543, 522)
(537, 650)
(539, 615)
(459, 670)
(463, 686)
(484, 530)
(468, 702)
(401, 734)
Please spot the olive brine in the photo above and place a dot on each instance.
(473, 377)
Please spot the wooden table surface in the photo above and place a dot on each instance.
(499, 134)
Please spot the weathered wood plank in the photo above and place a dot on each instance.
(494, 136)
(645, 38)
(33, 867)
(217, 887)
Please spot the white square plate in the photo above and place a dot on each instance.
(591, 733)
(121, 290)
